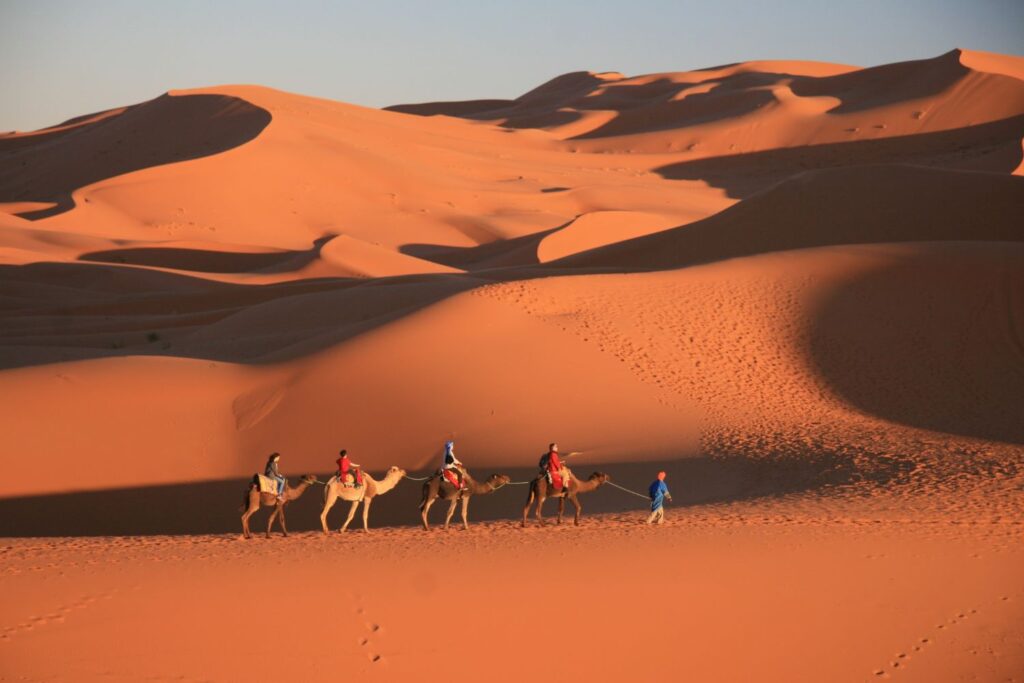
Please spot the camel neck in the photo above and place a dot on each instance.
(387, 483)
(480, 487)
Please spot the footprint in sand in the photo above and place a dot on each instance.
(903, 658)
(372, 629)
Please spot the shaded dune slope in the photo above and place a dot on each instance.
(856, 205)
(806, 103)
(49, 165)
(931, 337)
(994, 147)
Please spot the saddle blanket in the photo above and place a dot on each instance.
(267, 484)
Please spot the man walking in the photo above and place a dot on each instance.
(658, 492)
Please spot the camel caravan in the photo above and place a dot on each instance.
(451, 482)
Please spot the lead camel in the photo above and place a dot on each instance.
(540, 490)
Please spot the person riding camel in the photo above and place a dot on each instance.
(349, 473)
(273, 472)
(551, 467)
(451, 467)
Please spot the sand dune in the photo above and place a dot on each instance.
(162, 131)
(310, 242)
(797, 287)
(598, 228)
(727, 109)
(858, 205)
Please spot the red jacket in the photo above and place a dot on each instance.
(344, 465)
(554, 464)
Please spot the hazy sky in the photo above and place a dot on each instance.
(63, 58)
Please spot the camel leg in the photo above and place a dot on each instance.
(426, 509)
(270, 522)
(579, 509)
(245, 519)
(332, 498)
(351, 514)
(280, 519)
(561, 508)
(451, 512)
(540, 504)
(366, 513)
(526, 510)
(465, 511)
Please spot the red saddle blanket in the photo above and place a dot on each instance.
(452, 478)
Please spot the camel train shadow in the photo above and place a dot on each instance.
(213, 507)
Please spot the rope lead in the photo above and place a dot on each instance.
(623, 488)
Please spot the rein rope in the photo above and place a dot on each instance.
(623, 488)
(512, 483)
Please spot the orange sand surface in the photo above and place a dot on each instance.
(798, 589)
(796, 287)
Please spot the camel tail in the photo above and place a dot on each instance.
(245, 500)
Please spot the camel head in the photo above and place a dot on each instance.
(599, 477)
(496, 481)
(396, 470)
(308, 479)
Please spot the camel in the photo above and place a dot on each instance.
(254, 500)
(539, 491)
(370, 489)
(439, 487)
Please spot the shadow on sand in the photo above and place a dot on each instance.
(212, 507)
(940, 321)
(994, 147)
(209, 261)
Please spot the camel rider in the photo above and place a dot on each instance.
(273, 472)
(551, 467)
(452, 467)
(345, 466)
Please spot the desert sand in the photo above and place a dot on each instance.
(796, 287)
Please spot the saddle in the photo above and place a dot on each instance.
(450, 476)
(266, 484)
(350, 481)
(563, 484)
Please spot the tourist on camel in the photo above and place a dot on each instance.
(551, 466)
(347, 467)
(452, 468)
(272, 471)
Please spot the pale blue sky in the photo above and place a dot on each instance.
(64, 58)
